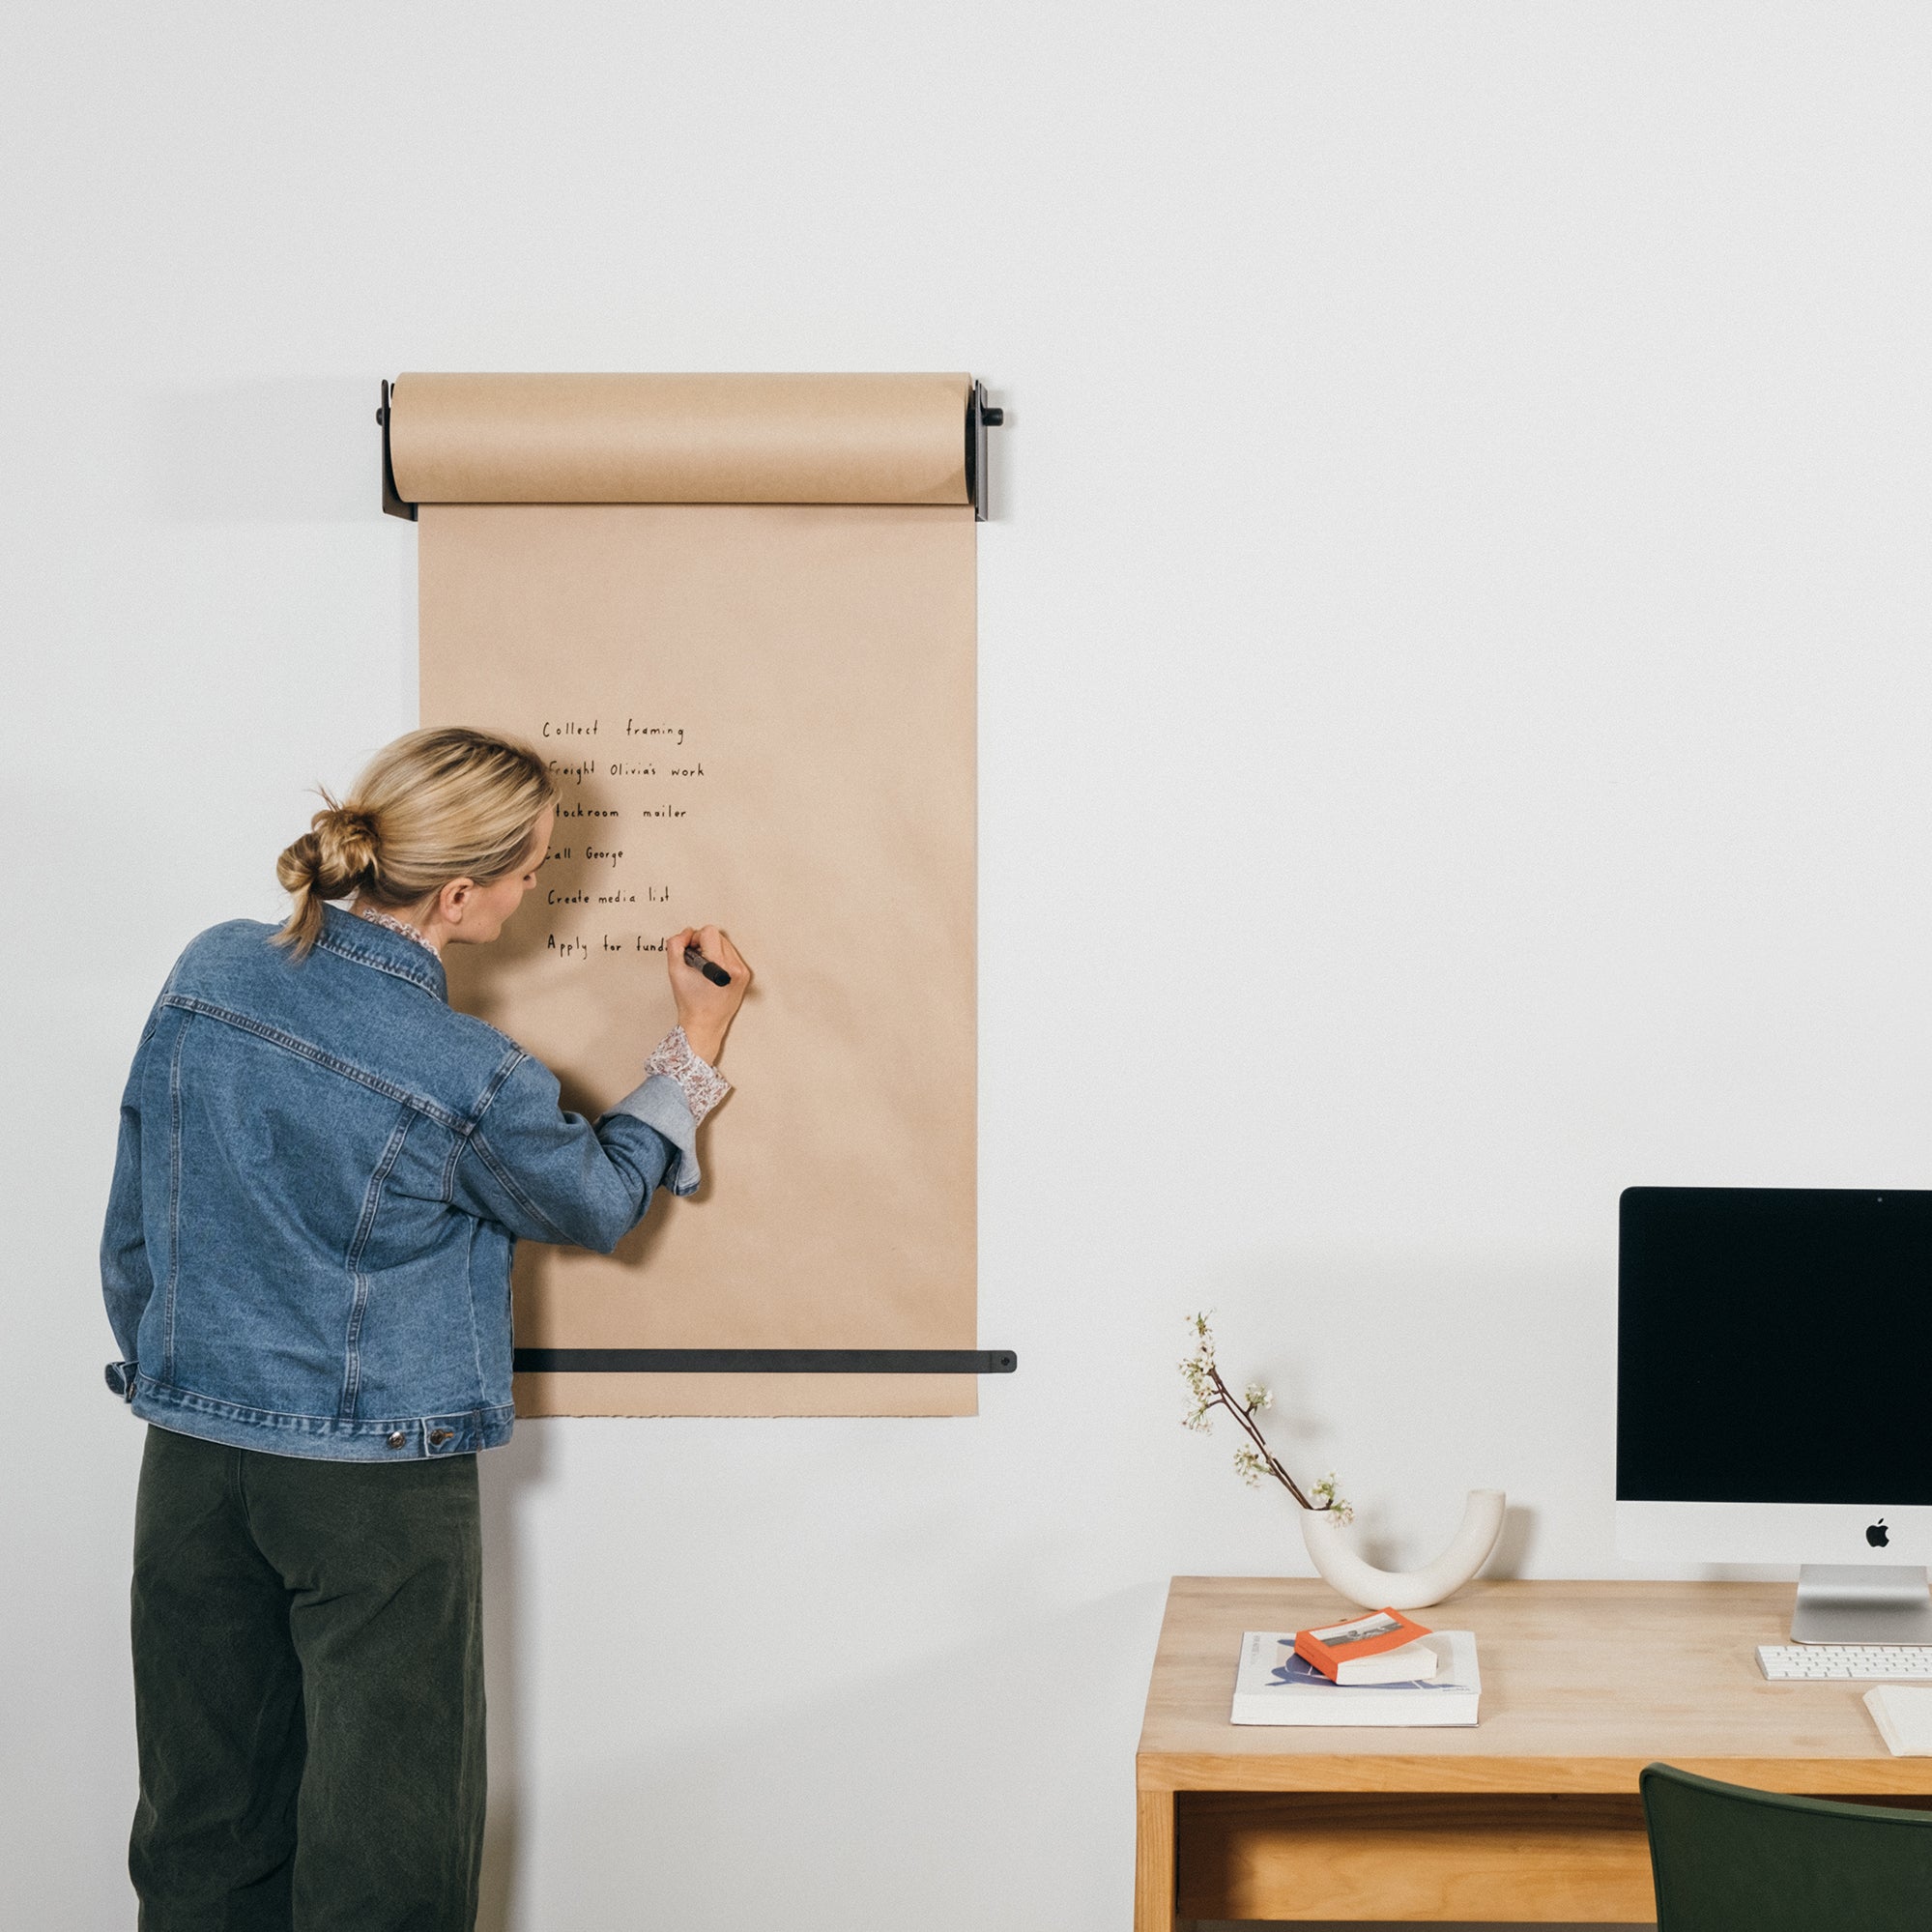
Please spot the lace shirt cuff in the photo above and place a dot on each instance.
(701, 1083)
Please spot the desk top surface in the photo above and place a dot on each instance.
(1583, 1683)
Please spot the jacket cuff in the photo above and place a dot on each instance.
(660, 1104)
(121, 1378)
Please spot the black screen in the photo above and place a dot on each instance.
(1775, 1345)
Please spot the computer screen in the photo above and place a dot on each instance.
(1775, 1345)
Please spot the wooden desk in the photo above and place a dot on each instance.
(1531, 1816)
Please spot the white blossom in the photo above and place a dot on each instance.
(1197, 1371)
(1323, 1497)
(1253, 1460)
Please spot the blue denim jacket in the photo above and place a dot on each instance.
(323, 1171)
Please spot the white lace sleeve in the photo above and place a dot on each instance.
(702, 1084)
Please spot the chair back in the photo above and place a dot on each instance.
(1726, 1858)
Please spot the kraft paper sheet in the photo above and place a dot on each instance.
(761, 714)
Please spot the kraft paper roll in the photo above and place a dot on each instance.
(736, 615)
(680, 439)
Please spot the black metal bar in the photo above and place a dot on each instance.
(392, 504)
(766, 1361)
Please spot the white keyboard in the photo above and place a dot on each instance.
(1785, 1664)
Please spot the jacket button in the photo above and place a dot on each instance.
(397, 1438)
(439, 1436)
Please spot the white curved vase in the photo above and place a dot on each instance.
(1327, 1539)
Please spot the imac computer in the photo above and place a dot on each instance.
(1774, 1394)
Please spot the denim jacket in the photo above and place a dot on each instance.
(322, 1173)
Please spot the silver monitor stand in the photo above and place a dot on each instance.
(1862, 1604)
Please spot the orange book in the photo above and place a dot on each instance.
(1335, 1645)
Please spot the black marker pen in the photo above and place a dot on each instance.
(715, 973)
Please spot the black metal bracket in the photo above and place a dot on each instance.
(981, 415)
(392, 504)
(766, 1361)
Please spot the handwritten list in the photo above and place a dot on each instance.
(611, 881)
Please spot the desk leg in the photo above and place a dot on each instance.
(1154, 1861)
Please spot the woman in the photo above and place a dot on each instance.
(323, 1170)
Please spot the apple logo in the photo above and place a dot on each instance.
(1878, 1536)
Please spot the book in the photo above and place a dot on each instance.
(1407, 1663)
(1275, 1686)
(1340, 1651)
(1903, 1714)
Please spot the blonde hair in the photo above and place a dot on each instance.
(435, 805)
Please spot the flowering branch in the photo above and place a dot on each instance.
(1253, 1459)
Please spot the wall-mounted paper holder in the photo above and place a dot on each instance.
(980, 417)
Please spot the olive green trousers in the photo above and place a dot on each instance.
(308, 1692)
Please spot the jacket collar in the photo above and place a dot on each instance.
(371, 945)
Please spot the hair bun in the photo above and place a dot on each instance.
(336, 856)
(345, 850)
(300, 864)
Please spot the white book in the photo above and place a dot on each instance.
(1273, 1685)
(1412, 1662)
(1903, 1714)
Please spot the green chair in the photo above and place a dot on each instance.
(1726, 1858)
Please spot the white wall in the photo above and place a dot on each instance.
(1455, 710)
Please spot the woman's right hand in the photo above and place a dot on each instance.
(705, 1010)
